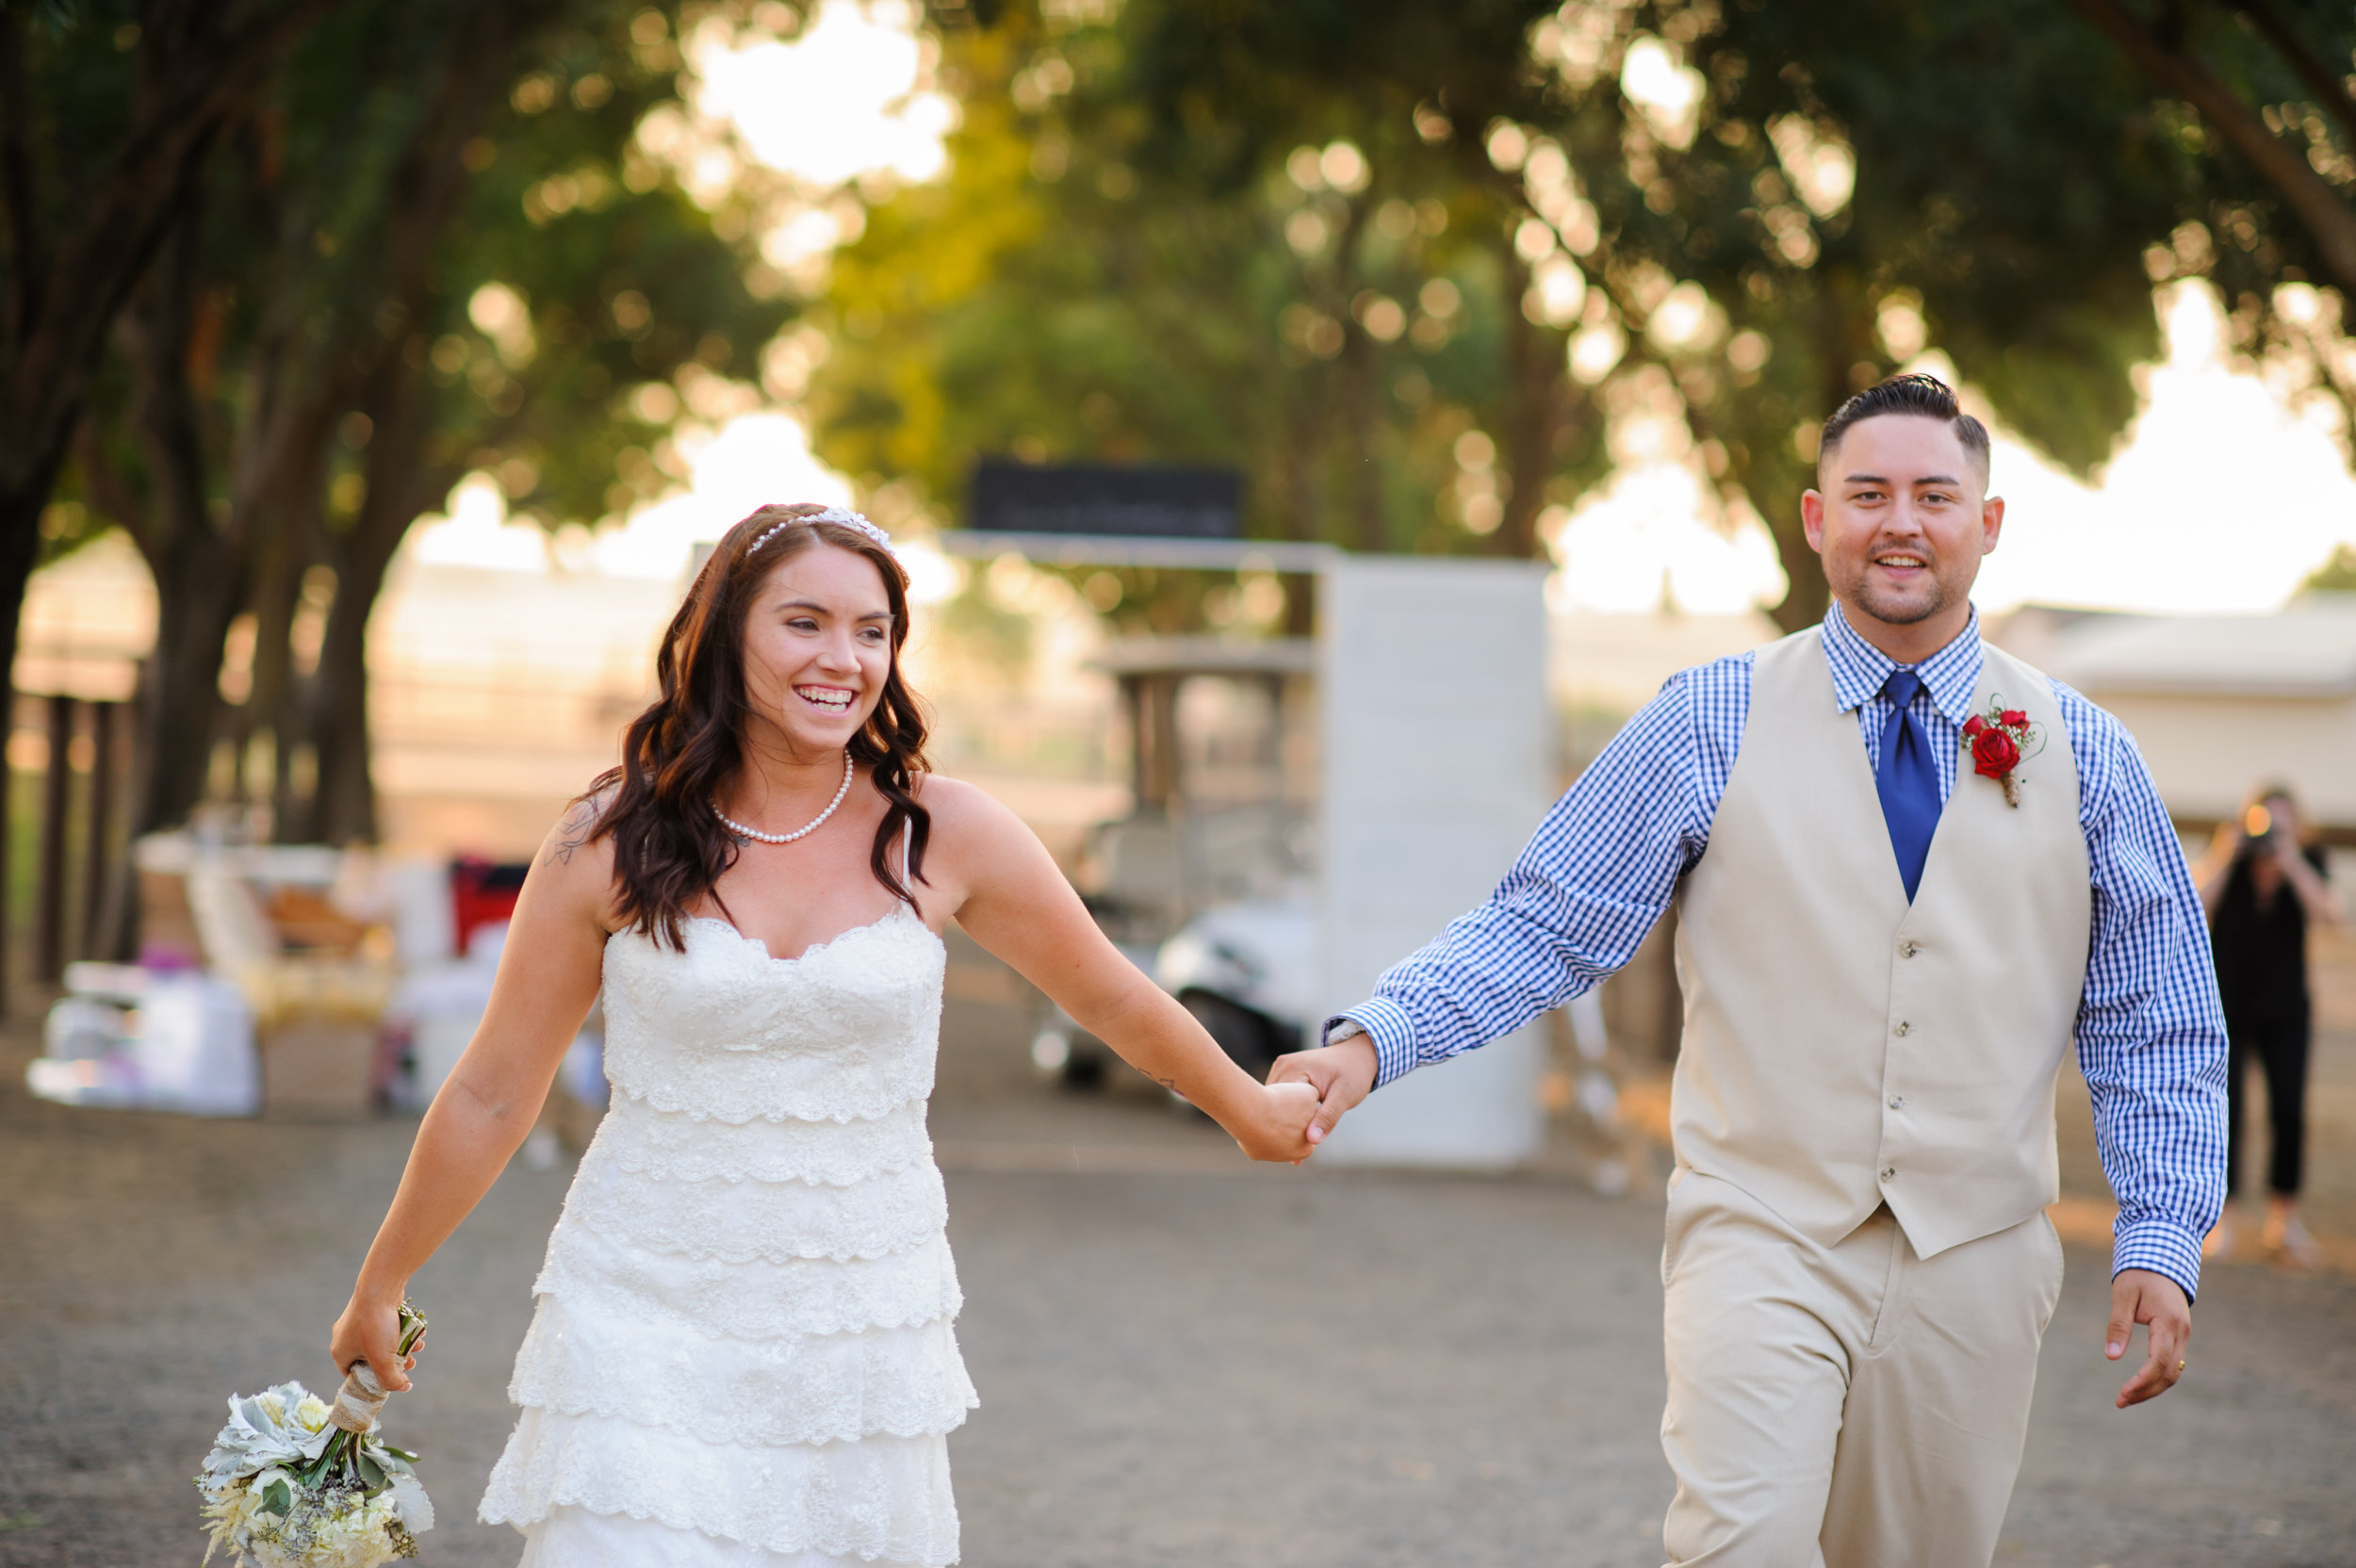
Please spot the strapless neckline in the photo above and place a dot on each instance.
(897, 912)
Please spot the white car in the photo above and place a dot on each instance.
(1247, 974)
(1246, 970)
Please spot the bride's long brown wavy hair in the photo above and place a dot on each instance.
(669, 848)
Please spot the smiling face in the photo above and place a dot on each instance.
(817, 651)
(1902, 520)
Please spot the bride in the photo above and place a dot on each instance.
(743, 1352)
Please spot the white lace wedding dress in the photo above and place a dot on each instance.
(743, 1354)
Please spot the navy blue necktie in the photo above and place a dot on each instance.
(1907, 782)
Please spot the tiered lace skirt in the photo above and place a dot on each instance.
(744, 1351)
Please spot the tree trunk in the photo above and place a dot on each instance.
(1354, 373)
(343, 805)
(1297, 487)
(400, 481)
(180, 703)
(1537, 371)
(1807, 595)
(286, 529)
(198, 564)
(1844, 337)
(1359, 395)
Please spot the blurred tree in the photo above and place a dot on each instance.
(108, 114)
(575, 304)
(2337, 574)
(1994, 180)
(1120, 267)
(434, 250)
(1979, 178)
(2269, 82)
(1724, 219)
(277, 307)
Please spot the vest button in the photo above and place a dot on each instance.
(1890, 1173)
(1907, 950)
(1897, 1101)
(1904, 1029)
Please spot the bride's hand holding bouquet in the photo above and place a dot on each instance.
(370, 1332)
(296, 1481)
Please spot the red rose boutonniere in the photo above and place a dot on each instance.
(1999, 742)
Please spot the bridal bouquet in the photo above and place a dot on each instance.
(294, 1481)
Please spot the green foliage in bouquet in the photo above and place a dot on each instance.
(286, 1487)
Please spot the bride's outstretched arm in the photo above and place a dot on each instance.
(1006, 890)
(548, 978)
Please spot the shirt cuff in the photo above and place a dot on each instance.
(1386, 1023)
(2161, 1246)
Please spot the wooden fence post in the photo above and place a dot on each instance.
(99, 882)
(56, 800)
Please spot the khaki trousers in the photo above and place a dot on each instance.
(1851, 1406)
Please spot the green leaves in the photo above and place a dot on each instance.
(1219, 241)
(411, 1326)
(1141, 263)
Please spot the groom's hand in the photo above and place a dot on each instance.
(1342, 1074)
(2140, 1296)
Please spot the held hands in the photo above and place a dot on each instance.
(2140, 1296)
(369, 1332)
(1342, 1075)
(1278, 1123)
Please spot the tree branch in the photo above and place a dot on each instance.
(2327, 216)
(2329, 91)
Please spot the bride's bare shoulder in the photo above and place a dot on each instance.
(575, 860)
(965, 813)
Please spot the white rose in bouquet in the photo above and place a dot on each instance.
(294, 1481)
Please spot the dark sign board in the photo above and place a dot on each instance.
(1184, 503)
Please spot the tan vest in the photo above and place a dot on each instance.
(1842, 1049)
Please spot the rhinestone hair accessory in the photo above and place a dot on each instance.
(842, 516)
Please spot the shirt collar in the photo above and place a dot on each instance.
(1860, 668)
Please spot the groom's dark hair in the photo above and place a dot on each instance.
(1924, 397)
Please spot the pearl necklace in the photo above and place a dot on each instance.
(813, 826)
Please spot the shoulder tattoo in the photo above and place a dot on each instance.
(578, 828)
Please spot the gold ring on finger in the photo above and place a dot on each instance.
(2180, 1366)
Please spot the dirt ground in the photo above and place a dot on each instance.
(1183, 1360)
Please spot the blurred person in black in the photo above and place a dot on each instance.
(2262, 886)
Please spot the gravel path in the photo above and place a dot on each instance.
(1258, 1368)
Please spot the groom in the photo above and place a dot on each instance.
(1908, 870)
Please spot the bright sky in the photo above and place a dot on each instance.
(847, 96)
(2220, 499)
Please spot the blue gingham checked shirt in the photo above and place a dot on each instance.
(1605, 863)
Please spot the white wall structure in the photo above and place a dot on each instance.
(2216, 703)
(1438, 760)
